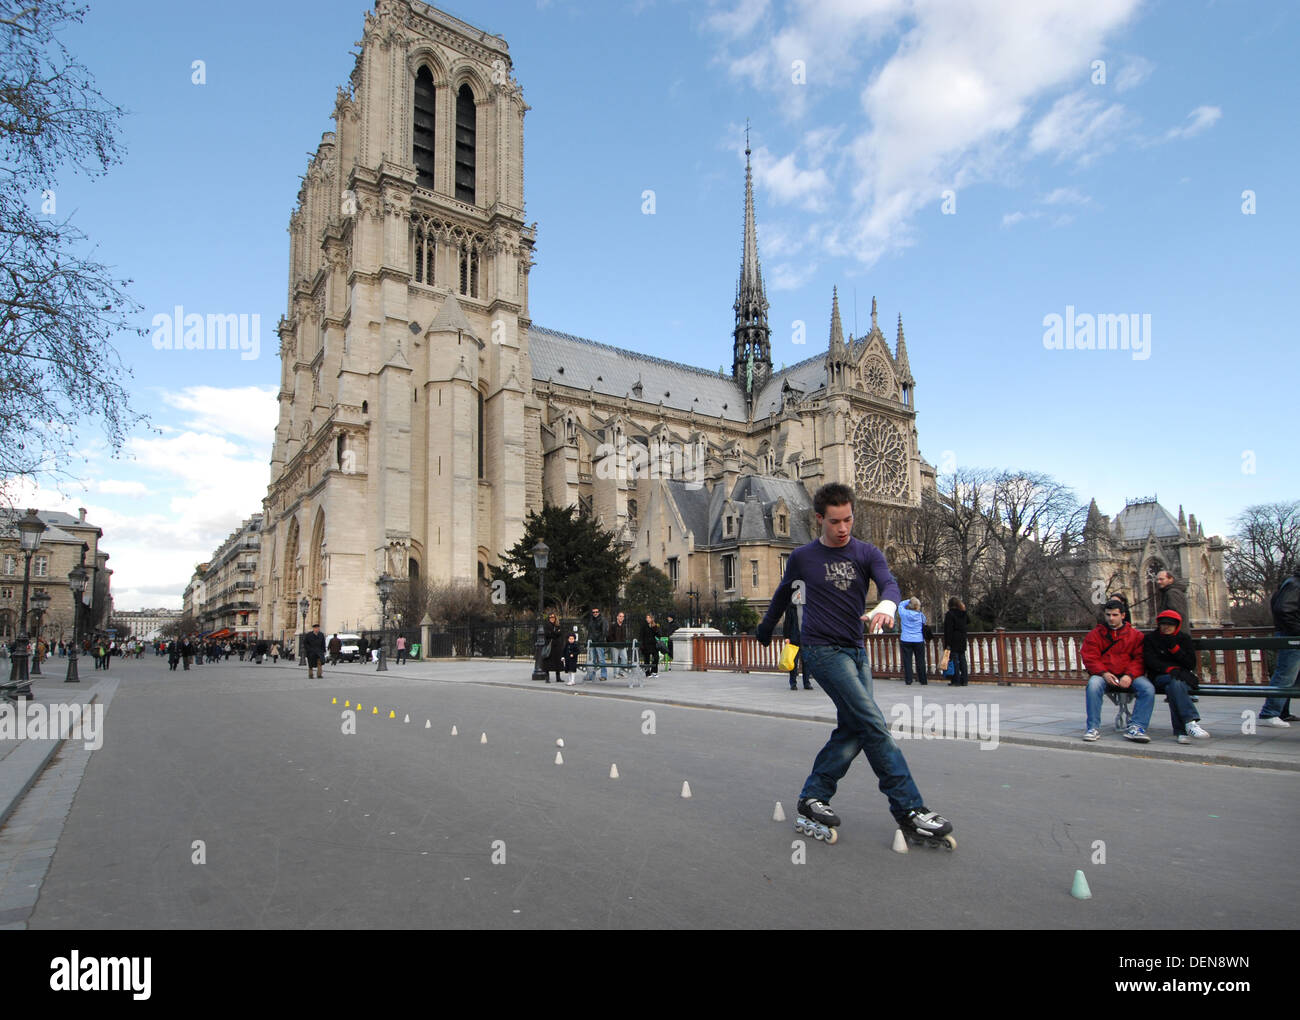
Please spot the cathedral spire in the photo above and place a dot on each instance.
(900, 352)
(837, 331)
(752, 337)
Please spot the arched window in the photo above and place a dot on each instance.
(423, 135)
(466, 127)
(480, 433)
(412, 568)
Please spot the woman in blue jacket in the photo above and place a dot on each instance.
(911, 622)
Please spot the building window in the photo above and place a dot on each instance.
(672, 570)
(40, 566)
(422, 154)
(6, 593)
(783, 560)
(466, 119)
(480, 433)
(423, 259)
(753, 568)
(469, 263)
(726, 527)
(11, 564)
(729, 573)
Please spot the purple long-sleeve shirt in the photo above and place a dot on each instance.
(836, 582)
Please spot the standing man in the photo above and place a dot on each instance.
(597, 634)
(618, 633)
(1170, 594)
(834, 571)
(313, 646)
(1286, 622)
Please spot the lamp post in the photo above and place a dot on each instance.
(303, 606)
(541, 555)
(714, 621)
(40, 603)
(30, 529)
(77, 582)
(385, 586)
(693, 601)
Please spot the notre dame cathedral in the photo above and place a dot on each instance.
(423, 414)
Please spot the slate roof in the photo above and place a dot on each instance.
(701, 509)
(1137, 520)
(613, 372)
(53, 532)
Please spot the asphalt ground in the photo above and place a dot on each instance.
(230, 797)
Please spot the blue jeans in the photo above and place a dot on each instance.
(1141, 686)
(1288, 665)
(1181, 708)
(845, 675)
(597, 659)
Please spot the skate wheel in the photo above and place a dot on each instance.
(835, 834)
(948, 843)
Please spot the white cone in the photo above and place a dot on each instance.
(559, 758)
(453, 731)
(559, 742)
(686, 788)
(613, 772)
(900, 842)
(407, 719)
(779, 814)
(483, 739)
(427, 724)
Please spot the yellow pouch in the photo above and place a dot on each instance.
(788, 654)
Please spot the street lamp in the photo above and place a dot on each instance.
(303, 606)
(77, 582)
(693, 601)
(385, 586)
(714, 621)
(541, 555)
(30, 529)
(40, 603)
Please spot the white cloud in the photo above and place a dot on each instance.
(1200, 119)
(740, 20)
(952, 88)
(1133, 73)
(1078, 126)
(784, 182)
(249, 412)
(1065, 196)
(1012, 218)
(120, 487)
(790, 275)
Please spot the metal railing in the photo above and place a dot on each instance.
(1000, 656)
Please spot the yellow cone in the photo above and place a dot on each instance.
(392, 714)
(375, 710)
(334, 701)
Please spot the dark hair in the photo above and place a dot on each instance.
(954, 603)
(1113, 604)
(831, 494)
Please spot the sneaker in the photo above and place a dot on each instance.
(926, 823)
(1276, 721)
(818, 811)
(1137, 733)
(1195, 729)
(1091, 735)
(1183, 738)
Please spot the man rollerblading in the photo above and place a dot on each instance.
(833, 573)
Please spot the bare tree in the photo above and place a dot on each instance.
(59, 308)
(964, 504)
(1263, 552)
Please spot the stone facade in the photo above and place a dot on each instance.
(1145, 539)
(60, 550)
(144, 624)
(231, 580)
(423, 415)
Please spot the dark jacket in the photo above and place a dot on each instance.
(1165, 653)
(597, 628)
(955, 622)
(618, 631)
(554, 635)
(650, 634)
(313, 644)
(1286, 606)
(790, 625)
(1174, 597)
(569, 656)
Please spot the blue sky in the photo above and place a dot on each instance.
(1110, 190)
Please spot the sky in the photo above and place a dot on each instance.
(991, 171)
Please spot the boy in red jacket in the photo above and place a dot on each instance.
(1170, 657)
(1112, 653)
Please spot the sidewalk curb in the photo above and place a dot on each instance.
(20, 769)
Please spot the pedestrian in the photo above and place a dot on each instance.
(335, 649)
(618, 634)
(570, 658)
(792, 635)
(650, 634)
(1172, 594)
(553, 648)
(275, 652)
(401, 649)
(911, 637)
(173, 654)
(1285, 605)
(670, 626)
(955, 624)
(598, 635)
(835, 571)
(313, 646)
(363, 649)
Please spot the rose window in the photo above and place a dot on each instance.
(881, 457)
